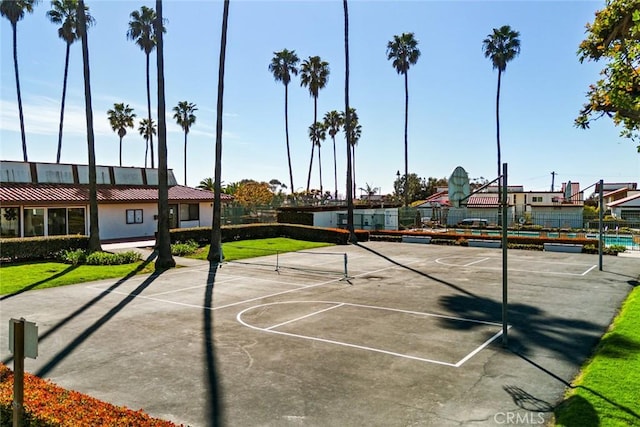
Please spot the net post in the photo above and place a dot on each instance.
(278, 261)
(600, 223)
(346, 275)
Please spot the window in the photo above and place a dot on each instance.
(10, 222)
(34, 222)
(536, 199)
(56, 221)
(134, 216)
(76, 221)
(189, 212)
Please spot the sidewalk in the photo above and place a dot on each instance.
(146, 248)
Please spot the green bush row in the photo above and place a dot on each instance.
(36, 248)
(184, 248)
(202, 235)
(80, 256)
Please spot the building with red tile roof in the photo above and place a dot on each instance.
(45, 199)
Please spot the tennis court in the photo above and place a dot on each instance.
(411, 336)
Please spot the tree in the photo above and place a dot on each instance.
(614, 36)
(185, 117)
(318, 133)
(165, 259)
(14, 11)
(206, 184)
(252, 194)
(333, 122)
(283, 65)
(404, 52)
(120, 118)
(355, 134)
(147, 130)
(94, 231)
(347, 124)
(409, 189)
(65, 14)
(142, 30)
(314, 74)
(501, 46)
(215, 249)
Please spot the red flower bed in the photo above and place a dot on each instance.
(48, 405)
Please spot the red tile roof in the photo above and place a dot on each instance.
(482, 201)
(62, 194)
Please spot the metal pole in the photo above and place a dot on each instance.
(505, 338)
(18, 372)
(346, 275)
(278, 261)
(600, 220)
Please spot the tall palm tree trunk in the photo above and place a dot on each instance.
(286, 132)
(94, 231)
(146, 152)
(149, 110)
(14, 26)
(64, 95)
(120, 151)
(320, 168)
(313, 144)
(498, 143)
(353, 168)
(347, 125)
(185, 158)
(406, 139)
(335, 168)
(164, 260)
(215, 250)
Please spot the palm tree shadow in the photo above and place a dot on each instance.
(214, 407)
(67, 270)
(93, 301)
(421, 273)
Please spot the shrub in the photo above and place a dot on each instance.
(108, 258)
(46, 404)
(35, 248)
(73, 257)
(184, 248)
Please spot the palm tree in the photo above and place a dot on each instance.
(64, 13)
(164, 260)
(94, 231)
(333, 122)
(283, 65)
(120, 118)
(347, 124)
(404, 52)
(501, 46)
(314, 73)
(206, 184)
(14, 11)
(317, 133)
(354, 133)
(147, 129)
(143, 32)
(183, 113)
(215, 250)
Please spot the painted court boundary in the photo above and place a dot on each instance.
(477, 261)
(335, 305)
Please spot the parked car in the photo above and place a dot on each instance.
(474, 222)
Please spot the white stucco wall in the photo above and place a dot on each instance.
(112, 220)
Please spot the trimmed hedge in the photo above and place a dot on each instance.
(202, 235)
(36, 248)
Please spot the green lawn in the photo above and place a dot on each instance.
(260, 247)
(607, 392)
(39, 275)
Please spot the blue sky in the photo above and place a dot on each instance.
(451, 105)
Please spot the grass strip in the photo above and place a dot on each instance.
(260, 247)
(40, 275)
(606, 393)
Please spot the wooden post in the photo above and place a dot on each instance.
(18, 372)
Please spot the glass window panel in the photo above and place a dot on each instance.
(9, 222)
(33, 222)
(57, 221)
(77, 221)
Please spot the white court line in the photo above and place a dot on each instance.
(303, 317)
(336, 304)
(479, 349)
(560, 273)
(233, 279)
(586, 272)
(475, 262)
